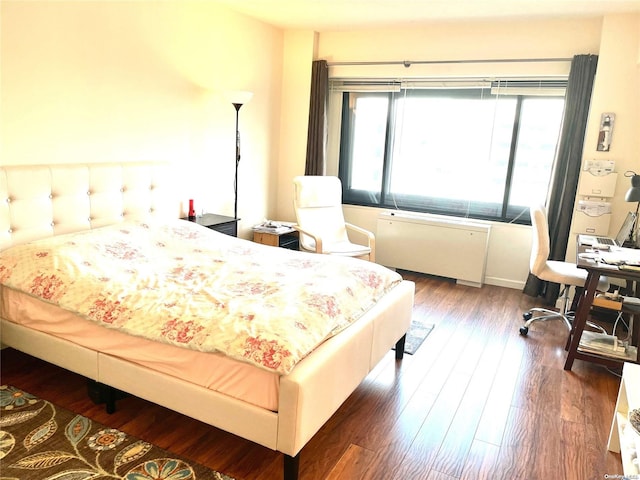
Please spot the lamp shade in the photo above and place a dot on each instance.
(239, 97)
(633, 194)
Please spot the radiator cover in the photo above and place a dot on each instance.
(443, 246)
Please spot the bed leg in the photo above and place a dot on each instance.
(101, 393)
(291, 467)
(110, 403)
(400, 347)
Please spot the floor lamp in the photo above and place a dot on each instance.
(238, 99)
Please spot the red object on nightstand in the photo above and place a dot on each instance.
(192, 211)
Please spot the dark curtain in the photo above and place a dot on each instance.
(564, 181)
(317, 133)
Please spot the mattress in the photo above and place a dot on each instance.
(214, 371)
(179, 283)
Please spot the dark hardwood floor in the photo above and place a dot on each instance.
(476, 401)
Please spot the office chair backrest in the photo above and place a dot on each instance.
(540, 243)
(318, 206)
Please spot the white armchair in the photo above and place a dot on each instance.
(318, 207)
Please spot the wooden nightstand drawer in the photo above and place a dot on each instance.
(290, 241)
(285, 240)
(229, 228)
(219, 223)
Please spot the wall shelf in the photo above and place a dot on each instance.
(596, 188)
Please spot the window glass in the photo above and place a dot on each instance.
(369, 133)
(457, 151)
(446, 147)
(540, 122)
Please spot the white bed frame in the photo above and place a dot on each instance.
(44, 200)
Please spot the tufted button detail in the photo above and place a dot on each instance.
(8, 200)
(122, 189)
(50, 196)
(88, 192)
(10, 230)
(53, 224)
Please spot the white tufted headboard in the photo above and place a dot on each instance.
(39, 201)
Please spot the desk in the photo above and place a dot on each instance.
(594, 271)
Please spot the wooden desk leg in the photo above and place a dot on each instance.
(634, 321)
(633, 289)
(580, 320)
(578, 298)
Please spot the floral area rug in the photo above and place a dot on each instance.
(39, 440)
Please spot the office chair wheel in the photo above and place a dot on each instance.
(524, 331)
(527, 316)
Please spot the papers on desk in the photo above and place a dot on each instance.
(623, 258)
(596, 260)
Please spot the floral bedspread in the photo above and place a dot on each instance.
(189, 286)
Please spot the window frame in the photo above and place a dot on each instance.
(435, 205)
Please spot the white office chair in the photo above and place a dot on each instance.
(566, 274)
(318, 207)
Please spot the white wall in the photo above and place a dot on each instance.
(99, 81)
(299, 52)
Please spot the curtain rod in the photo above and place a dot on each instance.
(408, 63)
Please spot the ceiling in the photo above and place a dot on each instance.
(328, 15)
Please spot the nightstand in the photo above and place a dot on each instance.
(287, 239)
(219, 223)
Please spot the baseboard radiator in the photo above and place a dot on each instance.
(443, 246)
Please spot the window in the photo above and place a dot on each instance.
(480, 151)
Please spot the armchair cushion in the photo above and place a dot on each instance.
(318, 207)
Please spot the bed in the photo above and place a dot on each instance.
(278, 405)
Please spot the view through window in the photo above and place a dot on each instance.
(482, 153)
